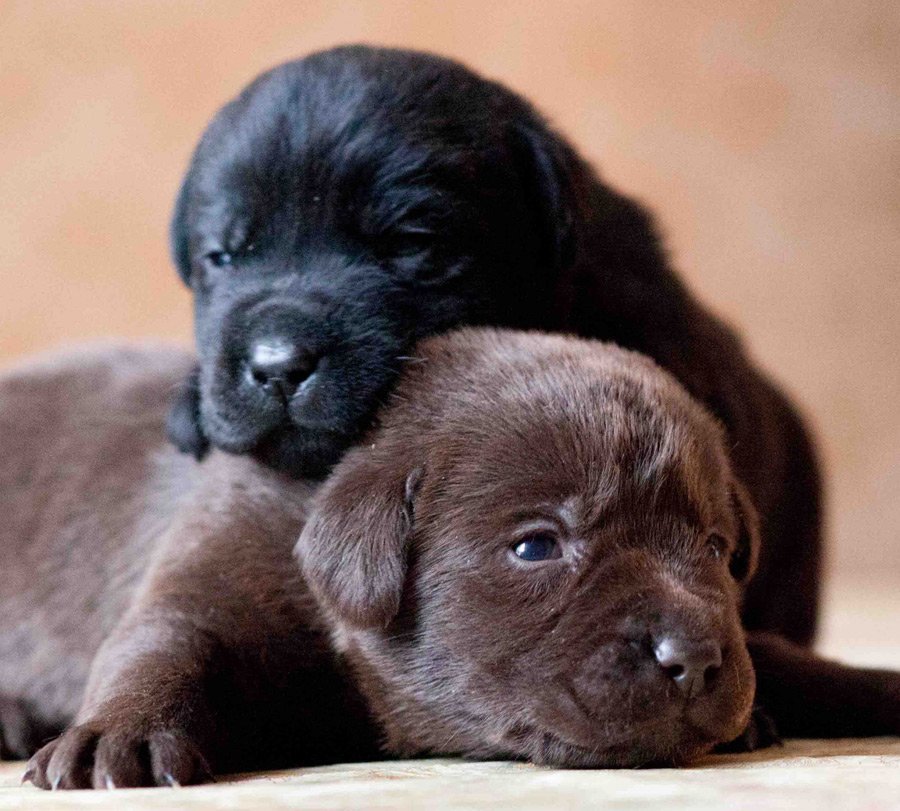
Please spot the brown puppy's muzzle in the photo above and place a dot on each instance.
(662, 678)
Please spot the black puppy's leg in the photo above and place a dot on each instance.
(783, 597)
(810, 697)
(760, 733)
(183, 422)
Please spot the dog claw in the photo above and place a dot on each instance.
(56, 781)
(171, 781)
(29, 775)
(108, 782)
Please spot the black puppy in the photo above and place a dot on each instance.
(349, 203)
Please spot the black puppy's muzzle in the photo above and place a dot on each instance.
(271, 357)
(279, 367)
(291, 373)
(280, 352)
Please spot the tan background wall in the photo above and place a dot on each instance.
(766, 135)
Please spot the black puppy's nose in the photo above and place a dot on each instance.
(279, 367)
(689, 663)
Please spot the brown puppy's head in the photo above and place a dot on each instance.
(539, 554)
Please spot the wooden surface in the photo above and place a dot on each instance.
(803, 774)
(860, 626)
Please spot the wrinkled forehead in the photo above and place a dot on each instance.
(330, 124)
(285, 159)
(592, 452)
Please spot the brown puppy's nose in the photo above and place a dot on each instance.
(278, 367)
(689, 663)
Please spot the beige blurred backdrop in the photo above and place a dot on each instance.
(765, 135)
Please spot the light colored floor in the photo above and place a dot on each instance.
(860, 626)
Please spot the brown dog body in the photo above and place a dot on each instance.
(116, 550)
(156, 604)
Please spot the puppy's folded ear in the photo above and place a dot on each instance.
(744, 559)
(547, 168)
(353, 549)
(183, 422)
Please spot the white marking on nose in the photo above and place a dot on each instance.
(272, 352)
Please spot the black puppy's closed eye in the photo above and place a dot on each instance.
(219, 259)
(409, 241)
(226, 258)
(537, 547)
(406, 250)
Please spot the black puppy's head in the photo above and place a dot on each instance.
(341, 207)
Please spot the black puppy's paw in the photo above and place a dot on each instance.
(760, 733)
(118, 755)
(20, 734)
(183, 422)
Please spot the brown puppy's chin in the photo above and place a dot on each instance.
(668, 742)
(555, 752)
(662, 744)
(665, 742)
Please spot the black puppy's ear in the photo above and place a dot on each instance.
(183, 422)
(353, 549)
(178, 233)
(744, 558)
(548, 170)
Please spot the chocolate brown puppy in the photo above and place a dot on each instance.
(347, 204)
(538, 552)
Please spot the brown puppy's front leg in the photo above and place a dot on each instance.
(217, 618)
(810, 697)
(146, 718)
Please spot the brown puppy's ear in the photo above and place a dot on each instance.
(353, 549)
(744, 558)
(183, 421)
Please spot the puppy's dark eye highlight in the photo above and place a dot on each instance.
(716, 546)
(219, 259)
(537, 547)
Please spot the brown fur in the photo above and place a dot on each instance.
(155, 604)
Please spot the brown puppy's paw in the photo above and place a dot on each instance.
(87, 756)
(760, 733)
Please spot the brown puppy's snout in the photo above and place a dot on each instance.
(689, 662)
(665, 674)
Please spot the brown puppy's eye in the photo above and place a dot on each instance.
(716, 546)
(537, 547)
